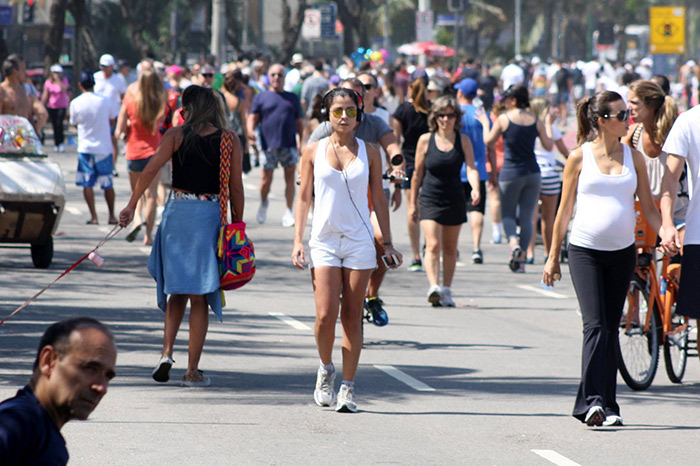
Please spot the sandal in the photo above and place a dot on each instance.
(200, 380)
(133, 233)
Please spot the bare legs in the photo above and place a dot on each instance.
(150, 204)
(199, 324)
(548, 210)
(440, 239)
(89, 195)
(327, 282)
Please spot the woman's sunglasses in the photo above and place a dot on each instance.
(449, 116)
(350, 112)
(622, 115)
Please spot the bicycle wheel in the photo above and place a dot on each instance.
(638, 354)
(676, 347)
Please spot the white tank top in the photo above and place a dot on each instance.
(341, 205)
(656, 166)
(605, 215)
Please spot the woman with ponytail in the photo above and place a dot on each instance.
(519, 180)
(409, 124)
(653, 113)
(601, 178)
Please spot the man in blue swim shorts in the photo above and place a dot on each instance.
(91, 113)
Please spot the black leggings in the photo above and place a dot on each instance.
(601, 280)
(56, 115)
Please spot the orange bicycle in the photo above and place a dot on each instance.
(649, 319)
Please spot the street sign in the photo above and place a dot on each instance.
(311, 29)
(667, 29)
(328, 15)
(5, 15)
(424, 26)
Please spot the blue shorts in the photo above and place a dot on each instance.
(94, 167)
(137, 165)
(285, 156)
(410, 167)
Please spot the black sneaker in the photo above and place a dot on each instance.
(477, 256)
(374, 307)
(515, 263)
(416, 266)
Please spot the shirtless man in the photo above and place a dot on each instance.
(14, 99)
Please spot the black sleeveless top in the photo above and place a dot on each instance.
(519, 151)
(197, 170)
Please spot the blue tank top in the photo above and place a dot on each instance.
(519, 151)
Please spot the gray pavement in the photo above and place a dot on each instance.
(490, 382)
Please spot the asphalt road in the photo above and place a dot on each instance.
(491, 382)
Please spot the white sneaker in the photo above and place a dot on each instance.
(434, 295)
(346, 400)
(612, 421)
(288, 218)
(446, 297)
(262, 212)
(324, 394)
(61, 148)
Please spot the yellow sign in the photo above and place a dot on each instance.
(667, 29)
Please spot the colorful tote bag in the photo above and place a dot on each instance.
(234, 250)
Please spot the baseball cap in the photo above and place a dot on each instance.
(174, 69)
(467, 86)
(419, 73)
(56, 68)
(106, 60)
(206, 69)
(297, 58)
(86, 80)
(434, 86)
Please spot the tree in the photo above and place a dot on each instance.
(291, 27)
(353, 15)
(54, 39)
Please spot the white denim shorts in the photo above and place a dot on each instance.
(340, 251)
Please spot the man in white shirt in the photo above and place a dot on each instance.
(112, 86)
(92, 114)
(683, 146)
(511, 75)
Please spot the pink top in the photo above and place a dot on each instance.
(58, 98)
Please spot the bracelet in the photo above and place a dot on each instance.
(387, 243)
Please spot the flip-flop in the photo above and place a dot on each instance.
(113, 222)
(92, 222)
(133, 233)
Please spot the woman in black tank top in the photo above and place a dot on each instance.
(437, 196)
(183, 260)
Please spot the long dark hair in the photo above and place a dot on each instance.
(204, 106)
(519, 93)
(590, 109)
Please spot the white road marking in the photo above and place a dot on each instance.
(405, 378)
(73, 210)
(290, 321)
(554, 457)
(145, 249)
(548, 293)
(104, 229)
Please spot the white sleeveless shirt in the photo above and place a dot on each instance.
(605, 215)
(335, 193)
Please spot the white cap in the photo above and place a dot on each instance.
(297, 58)
(56, 68)
(106, 60)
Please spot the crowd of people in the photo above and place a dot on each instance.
(447, 140)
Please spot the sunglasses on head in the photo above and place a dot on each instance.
(350, 112)
(622, 115)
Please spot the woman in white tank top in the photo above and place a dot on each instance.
(338, 170)
(653, 113)
(602, 178)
